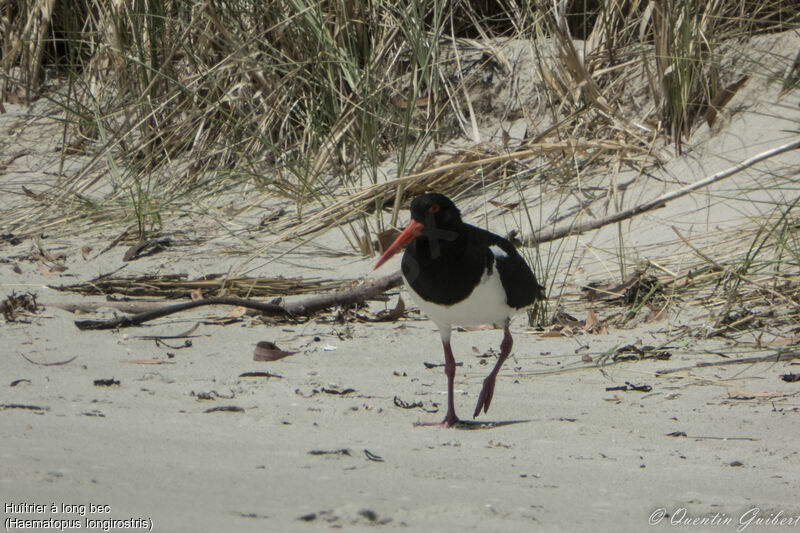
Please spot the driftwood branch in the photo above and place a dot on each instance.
(365, 291)
(90, 306)
(308, 306)
(135, 320)
(576, 229)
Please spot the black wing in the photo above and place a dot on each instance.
(518, 279)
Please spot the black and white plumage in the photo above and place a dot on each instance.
(459, 274)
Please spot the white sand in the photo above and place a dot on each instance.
(576, 457)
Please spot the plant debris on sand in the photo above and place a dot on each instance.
(345, 114)
(218, 176)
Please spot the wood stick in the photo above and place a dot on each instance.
(365, 291)
(774, 358)
(130, 307)
(576, 229)
(135, 320)
(308, 306)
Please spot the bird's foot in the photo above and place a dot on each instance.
(449, 421)
(485, 397)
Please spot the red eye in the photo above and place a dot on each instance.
(434, 208)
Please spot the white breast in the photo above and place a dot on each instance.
(485, 305)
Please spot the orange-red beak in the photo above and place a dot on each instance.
(411, 232)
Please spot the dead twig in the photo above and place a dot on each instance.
(575, 229)
(365, 291)
(738, 323)
(88, 307)
(57, 363)
(735, 273)
(306, 307)
(176, 285)
(774, 358)
(135, 320)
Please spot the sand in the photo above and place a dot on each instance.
(188, 444)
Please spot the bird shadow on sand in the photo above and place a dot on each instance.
(472, 425)
(486, 424)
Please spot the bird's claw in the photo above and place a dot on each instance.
(485, 397)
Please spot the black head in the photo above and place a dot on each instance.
(435, 210)
(433, 217)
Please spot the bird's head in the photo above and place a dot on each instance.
(433, 215)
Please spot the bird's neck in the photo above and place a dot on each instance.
(432, 246)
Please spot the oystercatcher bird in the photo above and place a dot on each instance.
(459, 274)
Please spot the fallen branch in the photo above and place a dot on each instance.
(135, 320)
(365, 291)
(774, 358)
(131, 307)
(178, 286)
(576, 229)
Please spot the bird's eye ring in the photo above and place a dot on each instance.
(434, 208)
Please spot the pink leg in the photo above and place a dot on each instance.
(485, 397)
(450, 419)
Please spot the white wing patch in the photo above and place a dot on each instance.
(498, 252)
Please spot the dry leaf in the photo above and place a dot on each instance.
(269, 351)
(43, 269)
(629, 290)
(591, 321)
(508, 206)
(604, 291)
(143, 249)
(236, 312)
(386, 238)
(85, 251)
(272, 216)
(564, 319)
(787, 341)
(394, 314)
(133, 251)
(656, 314)
(722, 98)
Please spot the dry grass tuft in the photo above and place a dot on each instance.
(348, 108)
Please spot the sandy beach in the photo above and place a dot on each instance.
(153, 428)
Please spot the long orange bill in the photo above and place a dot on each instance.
(411, 232)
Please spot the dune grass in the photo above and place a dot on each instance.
(343, 107)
